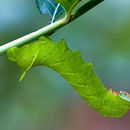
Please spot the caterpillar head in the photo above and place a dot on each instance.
(114, 105)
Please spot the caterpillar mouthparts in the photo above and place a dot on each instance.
(125, 93)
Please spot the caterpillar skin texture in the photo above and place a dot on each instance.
(74, 69)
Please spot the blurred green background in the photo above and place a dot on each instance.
(44, 100)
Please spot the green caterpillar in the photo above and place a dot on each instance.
(75, 70)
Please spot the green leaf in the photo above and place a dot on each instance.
(74, 69)
(68, 5)
(51, 8)
(54, 8)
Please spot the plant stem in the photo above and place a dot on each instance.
(50, 28)
(32, 36)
